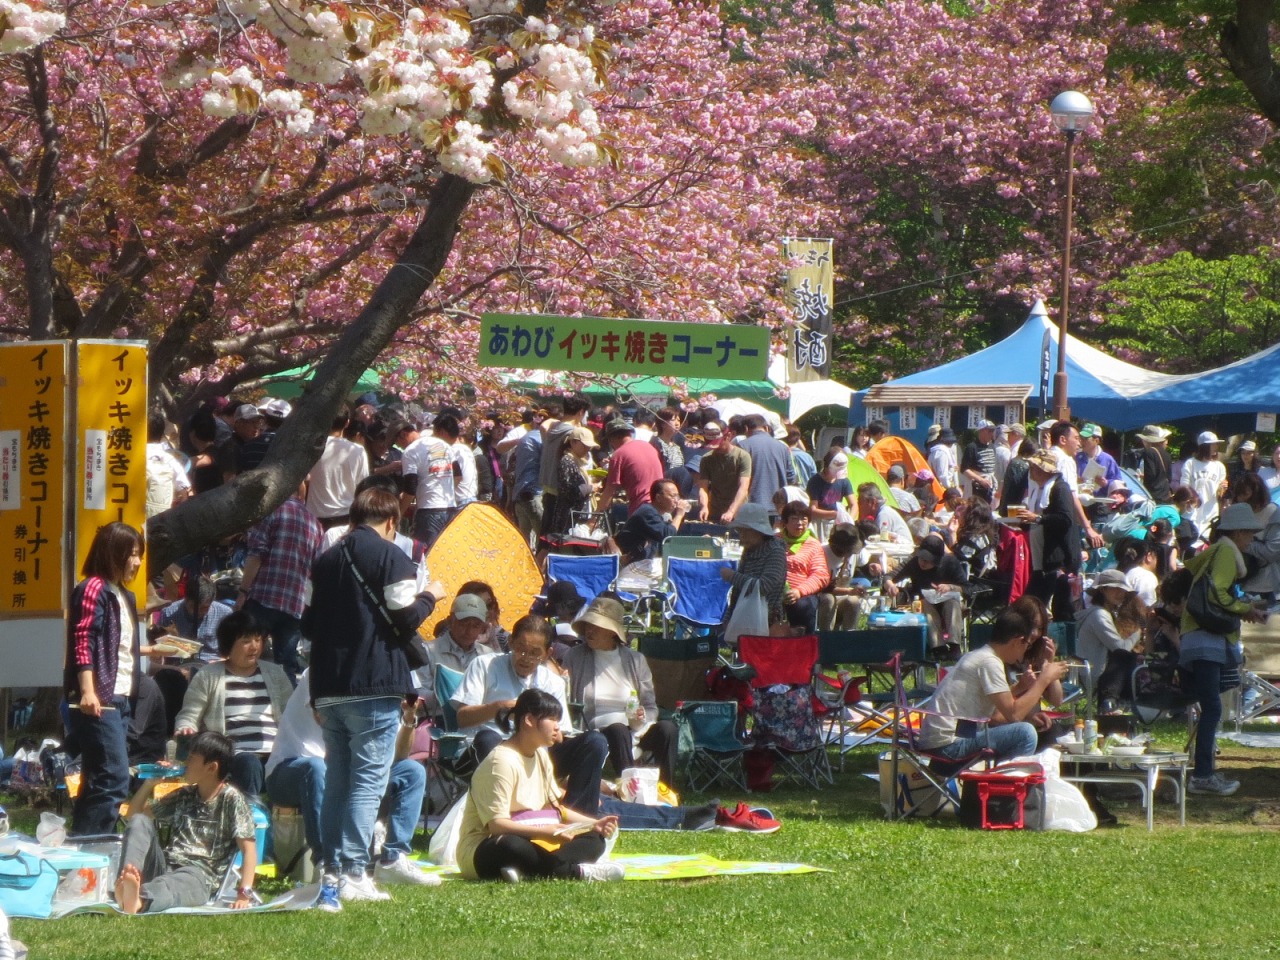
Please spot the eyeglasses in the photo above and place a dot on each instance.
(529, 654)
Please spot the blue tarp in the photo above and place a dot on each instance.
(1248, 386)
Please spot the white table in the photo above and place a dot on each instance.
(1143, 771)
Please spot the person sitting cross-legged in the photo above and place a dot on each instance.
(513, 822)
(978, 687)
(209, 819)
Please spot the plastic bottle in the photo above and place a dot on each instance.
(1078, 732)
(171, 752)
(633, 707)
(1091, 734)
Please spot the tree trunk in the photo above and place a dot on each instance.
(233, 507)
(1246, 43)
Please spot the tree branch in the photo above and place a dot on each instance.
(1246, 44)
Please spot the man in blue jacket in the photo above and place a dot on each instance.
(365, 609)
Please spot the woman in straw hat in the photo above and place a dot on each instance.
(1055, 538)
(604, 675)
(574, 484)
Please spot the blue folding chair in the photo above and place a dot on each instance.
(699, 595)
(591, 575)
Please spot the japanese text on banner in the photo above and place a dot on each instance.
(33, 433)
(111, 438)
(596, 345)
(810, 290)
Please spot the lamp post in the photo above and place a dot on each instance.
(1071, 113)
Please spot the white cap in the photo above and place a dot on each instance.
(1207, 437)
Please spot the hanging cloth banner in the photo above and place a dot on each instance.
(810, 292)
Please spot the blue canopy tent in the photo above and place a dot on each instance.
(1232, 395)
(1005, 374)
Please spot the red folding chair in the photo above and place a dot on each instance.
(785, 721)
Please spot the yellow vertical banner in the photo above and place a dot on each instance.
(33, 479)
(810, 292)
(111, 441)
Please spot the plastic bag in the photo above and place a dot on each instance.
(750, 614)
(639, 785)
(52, 830)
(1065, 807)
(443, 850)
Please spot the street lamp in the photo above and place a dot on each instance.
(1071, 113)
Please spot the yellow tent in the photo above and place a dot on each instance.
(480, 543)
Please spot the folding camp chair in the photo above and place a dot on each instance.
(442, 752)
(591, 575)
(860, 708)
(699, 596)
(909, 757)
(784, 720)
(692, 548)
(717, 751)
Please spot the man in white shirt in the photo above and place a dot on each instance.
(457, 647)
(978, 686)
(430, 468)
(332, 484)
(167, 481)
(1065, 440)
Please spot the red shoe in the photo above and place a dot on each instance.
(742, 819)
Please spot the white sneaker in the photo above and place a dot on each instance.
(404, 870)
(360, 888)
(603, 872)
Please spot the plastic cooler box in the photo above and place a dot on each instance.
(998, 800)
(83, 877)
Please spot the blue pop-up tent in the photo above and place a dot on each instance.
(1249, 386)
(1099, 387)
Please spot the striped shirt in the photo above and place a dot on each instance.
(251, 722)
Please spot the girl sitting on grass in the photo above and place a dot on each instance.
(513, 825)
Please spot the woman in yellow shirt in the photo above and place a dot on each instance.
(513, 825)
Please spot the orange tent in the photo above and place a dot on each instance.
(480, 543)
(891, 450)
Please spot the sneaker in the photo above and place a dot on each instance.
(360, 887)
(328, 900)
(404, 870)
(700, 818)
(1216, 784)
(742, 819)
(603, 872)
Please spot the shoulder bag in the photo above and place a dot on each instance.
(412, 652)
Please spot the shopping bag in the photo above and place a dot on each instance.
(750, 614)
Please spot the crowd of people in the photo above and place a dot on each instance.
(335, 583)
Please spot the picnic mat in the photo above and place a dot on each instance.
(637, 866)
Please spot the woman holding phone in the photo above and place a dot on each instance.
(513, 824)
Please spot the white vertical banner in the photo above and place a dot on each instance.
(942, 416)
(976, 416)
(1012, 413)
(906, 418)
(874, 413)
(95, 470)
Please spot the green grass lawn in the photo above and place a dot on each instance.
(899, 890)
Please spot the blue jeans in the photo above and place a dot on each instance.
(1005, 740)
(1206, 679)
(299, 782)
(429, 523)
(285, 633)
(359, 742)
(639, 816)
(104, 765)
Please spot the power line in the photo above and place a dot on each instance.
(937, 281)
